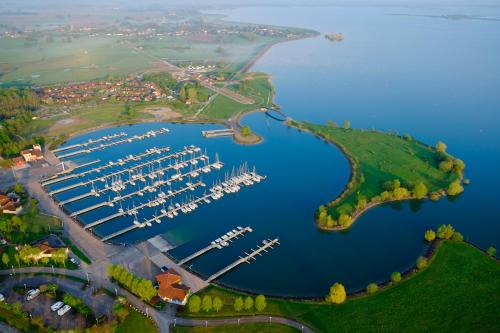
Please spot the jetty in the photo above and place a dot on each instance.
(219, 243)
(218, 133)
(90, 141)
(267, 244)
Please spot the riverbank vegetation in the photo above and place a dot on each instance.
(458, 290)
(385, 167)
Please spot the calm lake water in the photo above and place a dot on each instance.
(434, 78)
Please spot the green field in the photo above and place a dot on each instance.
(247, 328)
(459, 291)
(258, 87)
(379, 157)
(135, 323)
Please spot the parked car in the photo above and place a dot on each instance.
(2, 298)
(62, 311)
(56, 306)
(32, 293)
(3, 242)
(163, 269)
(74, 261)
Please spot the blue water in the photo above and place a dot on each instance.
(433, 78)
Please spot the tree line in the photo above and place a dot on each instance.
(136, 285)
(207, 303)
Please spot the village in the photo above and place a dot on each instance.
(128, 90)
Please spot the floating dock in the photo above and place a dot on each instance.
(90, 141)
(219, 243)
(267, 244)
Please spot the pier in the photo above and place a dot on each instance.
(152, 174)
(219, 243)
(90, 141)
(216, 192)
(218, 133)
(267, 244)
(110, 164)
(55, 178)
(114, 143)
(156, 201)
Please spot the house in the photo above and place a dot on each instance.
(49, 247)
(33, 154)
(18, 161)
(10, 203)
(171, 288)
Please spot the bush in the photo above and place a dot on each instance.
(395, 277)
(420, 190)
(372, 288)
(421, 263)
(446, 166)
(246, 131)
(337, 294)
(491, 251)
(430, 235)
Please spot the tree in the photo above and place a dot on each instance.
(260, 303)
(491, 251)
(345, 220)
(395, 277)
(455, 188)
(445, 231)
(372, 288)
(420, 190)
(248, 303)
(337, 294)
(238, 304)
(246, 131)
(217, 303)
(182, 94)
(459, 166)
(5, 259)
(347, 124)
(446, 166)
(441, 147)
(457, 237)
(421, 263)
(430, 235)
(391, 185)
(194, 304)
(400, 193)
(206, 303)
(19, 188)
(192, 94)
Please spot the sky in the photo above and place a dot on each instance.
(16, 4)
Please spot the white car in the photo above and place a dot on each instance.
(3, 242)
(2, 298)
(32, 294)
(74, 261)
(62, 311)
(56, 306)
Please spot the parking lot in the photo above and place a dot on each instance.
(40, 305)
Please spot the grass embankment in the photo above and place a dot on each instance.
(257, 86)
(247, 328)
(385, 167)
(458, 291)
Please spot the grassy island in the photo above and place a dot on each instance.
(384, 167)
(457, 291)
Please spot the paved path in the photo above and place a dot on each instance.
(243, 320)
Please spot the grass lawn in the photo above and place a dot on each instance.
(383, 157)
(459, 291)
(257, 86)
(136, 323)
(38, 227)
(247, 328)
